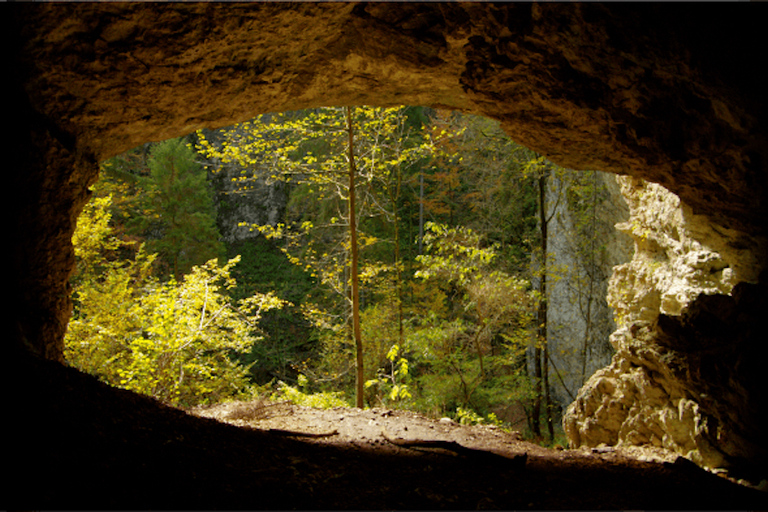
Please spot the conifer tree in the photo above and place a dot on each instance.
(178, 213)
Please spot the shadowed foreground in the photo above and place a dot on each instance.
(76, 443)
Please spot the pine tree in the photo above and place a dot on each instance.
(177, 209)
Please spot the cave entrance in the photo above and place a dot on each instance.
(561, 78)
(469, 188)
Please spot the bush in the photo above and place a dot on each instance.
(320, 400)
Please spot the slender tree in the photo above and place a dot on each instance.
(541, 170)
(348, 153)
(354, 279)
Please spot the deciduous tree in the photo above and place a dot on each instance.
(354, 154)
(171, 340)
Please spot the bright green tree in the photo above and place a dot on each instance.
(486, 329)
(351, 154)
(172, 340)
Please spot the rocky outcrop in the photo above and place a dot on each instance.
(684, 374)
(632, 89)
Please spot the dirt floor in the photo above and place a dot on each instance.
(76, 443)
(398, 431)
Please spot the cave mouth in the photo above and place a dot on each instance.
(560, 78)
(568, 367)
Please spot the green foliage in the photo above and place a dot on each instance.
(470, 417)
(481, 182)
(177, 211)
(453, 254)
(93, 240)
(344, 157)
(391, 384)
(444, 332)
(309, 150)
(318, 400)
(288, 338)
(473, 354)
(172, 340)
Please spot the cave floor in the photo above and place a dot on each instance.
(76, 443)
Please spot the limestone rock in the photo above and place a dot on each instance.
(672, 301)
(579, 319)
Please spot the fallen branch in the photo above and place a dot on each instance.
(516, 462)
(293, 433)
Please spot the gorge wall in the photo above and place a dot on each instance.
(639, 90)
(585, 247)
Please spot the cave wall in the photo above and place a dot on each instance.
(643, 90)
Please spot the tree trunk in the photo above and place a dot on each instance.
(591, 276)
(353, 271)
(394, 197)
(540, 352)
(543, 362)
(421, 213)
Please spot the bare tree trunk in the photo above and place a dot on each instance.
(543, 305)
(547, 395)
(541, 323)
(421, 213)
(354, 281)
(541, 351)
(394, 197)
(591, 276)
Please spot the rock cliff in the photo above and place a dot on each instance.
(584, 249)
(685, 343)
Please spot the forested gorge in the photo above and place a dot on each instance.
(409, 268)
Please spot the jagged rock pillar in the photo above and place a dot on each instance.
(687, 345)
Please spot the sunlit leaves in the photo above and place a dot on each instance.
(489, 305)
(453, 253)
(93, 238)
(393, 382)
(170, 340)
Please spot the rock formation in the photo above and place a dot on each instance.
(583, 254)
(649, 91)
(685, 346)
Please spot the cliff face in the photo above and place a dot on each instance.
(584, 246)
(243, 200)
(629, 89)
(686, 342)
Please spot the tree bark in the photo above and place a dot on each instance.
(353, 271)
(540, 351)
